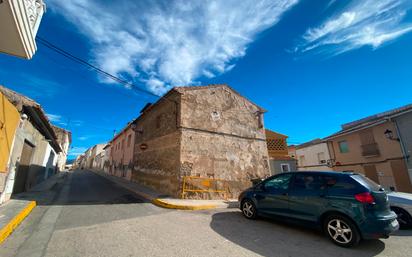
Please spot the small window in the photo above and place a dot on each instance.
(129, 139)
(285, 167)
(321, 157)
(278, 183)
(302, 160)
(343, 146)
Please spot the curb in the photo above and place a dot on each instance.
(12, 225)
(161, 203)
(158, 201)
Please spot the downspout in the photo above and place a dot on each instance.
(404, 153)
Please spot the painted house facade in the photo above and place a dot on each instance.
(34, 152)
(122, 152)
(377, 146)
(313, 155)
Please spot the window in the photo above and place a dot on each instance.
(285, 167)
(307, 182)
(122, 143)
(278, 183)
(321, 157)
(129, 138)
(343, 146)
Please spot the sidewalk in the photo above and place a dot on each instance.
(166, 201)
(14, 211)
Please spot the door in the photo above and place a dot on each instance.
(401, 176)
(370, 172)
(307, 196)
(22, 171)
(272, 198)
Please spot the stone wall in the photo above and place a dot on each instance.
(222, 138)
(206, 132)
(157, 148)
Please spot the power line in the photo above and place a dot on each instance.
(89, 65)
(111, 76)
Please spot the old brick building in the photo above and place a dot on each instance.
(202, 132)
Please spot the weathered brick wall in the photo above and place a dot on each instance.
(157, 166)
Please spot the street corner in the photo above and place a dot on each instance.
(191, 205)
(12, 214)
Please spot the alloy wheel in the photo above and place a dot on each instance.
(339, 231)
(248, 209)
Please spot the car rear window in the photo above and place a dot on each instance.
(366, 182)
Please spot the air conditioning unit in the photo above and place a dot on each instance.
(322, 161)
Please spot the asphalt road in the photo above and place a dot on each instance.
(91, 216)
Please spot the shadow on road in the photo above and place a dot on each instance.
(85, 188)
(88, 199)
(276, 238)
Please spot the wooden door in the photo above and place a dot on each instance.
(22, 171)
(401, 176)
(370, 172)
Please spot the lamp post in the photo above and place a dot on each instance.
(389, 135)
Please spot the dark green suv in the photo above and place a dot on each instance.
(347, 206)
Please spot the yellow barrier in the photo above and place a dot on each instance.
(204, 185)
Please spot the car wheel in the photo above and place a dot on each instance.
(249, 209)
(404, 219)
(341, 230)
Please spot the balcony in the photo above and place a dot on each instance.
(370, 150)
(19, 22)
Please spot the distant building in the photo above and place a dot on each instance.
(378, 146)
(19, 22)
(64, 138)
(31, 146)
(313, 155)
(279, 159)
(122, 152)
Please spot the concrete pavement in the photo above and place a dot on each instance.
(91, 216)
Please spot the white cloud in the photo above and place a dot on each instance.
(54, 117)
(361, 23)
(170, 43)
(74, 151)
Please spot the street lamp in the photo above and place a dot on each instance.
(389, 135)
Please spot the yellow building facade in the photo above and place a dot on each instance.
(9, 120)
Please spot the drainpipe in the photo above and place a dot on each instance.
(404, 153)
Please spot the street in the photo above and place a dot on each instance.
(91, 216)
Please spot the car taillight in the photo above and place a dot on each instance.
(365, 198)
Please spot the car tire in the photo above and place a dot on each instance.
(341, 230)
(249, 209)
(404, 218)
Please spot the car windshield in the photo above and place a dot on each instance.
(366, 182)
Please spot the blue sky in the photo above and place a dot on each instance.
(312, 64)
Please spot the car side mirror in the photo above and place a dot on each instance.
(261, 187)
